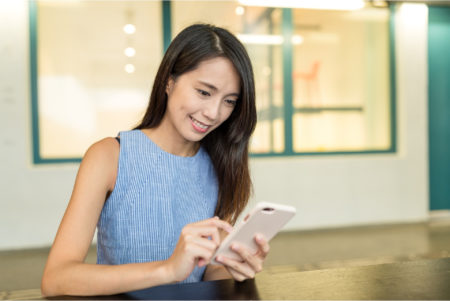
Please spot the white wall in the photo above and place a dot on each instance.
(327, 190)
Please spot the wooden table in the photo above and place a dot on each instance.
(413, 280)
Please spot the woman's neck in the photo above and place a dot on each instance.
(166, 142)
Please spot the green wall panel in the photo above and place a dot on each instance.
(439, 106)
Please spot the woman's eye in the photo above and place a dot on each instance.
(203, 92)
(231, 102)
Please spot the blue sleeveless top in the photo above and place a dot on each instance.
(155, 195)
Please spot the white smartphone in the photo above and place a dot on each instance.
(265, 218)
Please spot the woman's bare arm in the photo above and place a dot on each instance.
(65, 272)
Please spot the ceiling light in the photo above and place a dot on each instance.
(308, 4)
(129, 68)
(297, 39)
(129, 51)
(265, 39)
(260, 39)
(129, 29)
(239, 10)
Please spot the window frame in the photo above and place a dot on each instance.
(288, 108)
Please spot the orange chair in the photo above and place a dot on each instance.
(311, 83)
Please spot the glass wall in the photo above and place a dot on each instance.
(323, 79)
(338, 96)
(96, 62)
(256, 27)
(341, 80)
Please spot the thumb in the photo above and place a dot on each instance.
(201, 262)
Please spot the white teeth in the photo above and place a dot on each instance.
(200, 125)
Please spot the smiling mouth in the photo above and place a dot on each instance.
(201, 127)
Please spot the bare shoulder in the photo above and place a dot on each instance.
(103, 157)
(106, 148)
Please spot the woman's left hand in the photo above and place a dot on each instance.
(250, 263)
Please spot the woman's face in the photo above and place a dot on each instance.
(201, 100)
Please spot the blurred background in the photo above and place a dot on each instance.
(353, 105)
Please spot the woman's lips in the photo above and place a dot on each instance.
(199, 126)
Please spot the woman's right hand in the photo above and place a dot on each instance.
(196, 246)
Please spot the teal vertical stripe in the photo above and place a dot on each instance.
(167, 23)
(270, 79)
(287, 29)
(35, 129)
(439, 106)
(393, 72)
(33, 80)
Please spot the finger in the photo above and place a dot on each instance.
(240, 267)
(253, 260)
(200, 248)
(221, 224)
(236, 275)
(204, 242)
(201, 262)
(198, 252)
(206, 231)
(216, 222)
(229, 266)
(262, 244)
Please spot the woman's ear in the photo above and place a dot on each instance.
(169, 86)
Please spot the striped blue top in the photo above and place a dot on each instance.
(155, 195)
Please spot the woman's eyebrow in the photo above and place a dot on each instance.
(214, 88)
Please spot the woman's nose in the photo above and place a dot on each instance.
(212, 110)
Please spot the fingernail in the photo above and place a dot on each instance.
(219, 258)
(235, 247)
(259, 237)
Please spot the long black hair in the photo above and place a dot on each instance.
(227, 145)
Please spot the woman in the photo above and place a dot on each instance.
(153, 191)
